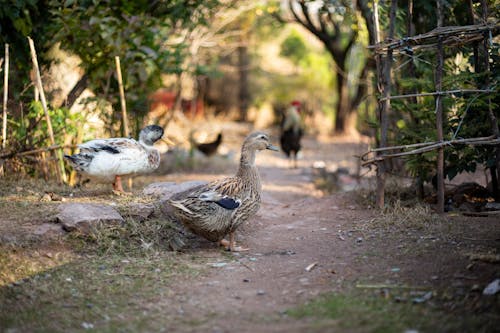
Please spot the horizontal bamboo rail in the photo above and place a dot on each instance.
(452, 35)
(437, 93)
(36, 151)
(425, 147)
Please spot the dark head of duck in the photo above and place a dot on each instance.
(150, 134)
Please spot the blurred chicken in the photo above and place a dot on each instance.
(291, 132)
(209, 148)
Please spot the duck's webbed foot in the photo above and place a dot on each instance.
(118, 188)
(231, 244)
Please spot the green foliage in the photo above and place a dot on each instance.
(293, 47)
(96, 33)
(147, 36)
(465, 116)
(20, 19)
(31, 130)
(311, 82)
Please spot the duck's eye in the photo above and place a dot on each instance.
(263, 137)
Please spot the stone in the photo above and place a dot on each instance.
(164, 190)
(139, 211)
(84, 216)
(48, 229)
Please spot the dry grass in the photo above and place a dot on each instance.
(399, 215)
(131, 238)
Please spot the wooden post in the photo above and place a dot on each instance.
(126, 132)
(495, 171)
(62, 173)
(439, 112)
(5, 96)
(384, 86)
(378, 62)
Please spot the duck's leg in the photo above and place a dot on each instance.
(117, 186)
(231, 244)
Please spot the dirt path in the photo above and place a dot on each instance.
(295, 229)
(298, 227)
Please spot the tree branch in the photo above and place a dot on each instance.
(77, 90)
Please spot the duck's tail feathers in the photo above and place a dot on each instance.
(79, 161)
(181, 206)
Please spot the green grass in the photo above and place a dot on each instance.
(106, 293)
(364, 312)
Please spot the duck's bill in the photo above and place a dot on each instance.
(168, 141)
(271, 147)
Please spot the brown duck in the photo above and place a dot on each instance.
(218, 208)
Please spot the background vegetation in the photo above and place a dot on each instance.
(314, 51)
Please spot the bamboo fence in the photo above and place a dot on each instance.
(451, 36)
(442, 36)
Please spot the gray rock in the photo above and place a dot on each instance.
(84, 216)
(165, 190)
(139, 211)
(48, 229)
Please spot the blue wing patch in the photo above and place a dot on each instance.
(228, 203)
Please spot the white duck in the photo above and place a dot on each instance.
(108, 159)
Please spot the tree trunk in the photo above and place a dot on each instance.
(244, 91)
(344, 123)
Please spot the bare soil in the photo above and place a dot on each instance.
(305, 243)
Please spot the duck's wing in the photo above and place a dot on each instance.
(113, 146)
(205, 195)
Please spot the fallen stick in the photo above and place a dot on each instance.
(36, 151)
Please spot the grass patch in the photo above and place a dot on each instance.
(17, 263)
(105, 293)
(363, 312)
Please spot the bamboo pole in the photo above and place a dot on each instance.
(460, 35)
(37, 151)
(439, 112)
(491, 140)
(62, 173)
(5, 96)
(446, 92)
(123, 103)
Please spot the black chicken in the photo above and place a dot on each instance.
(292, 132)
(209, 148)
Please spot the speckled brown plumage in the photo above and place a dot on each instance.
(208, 219)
